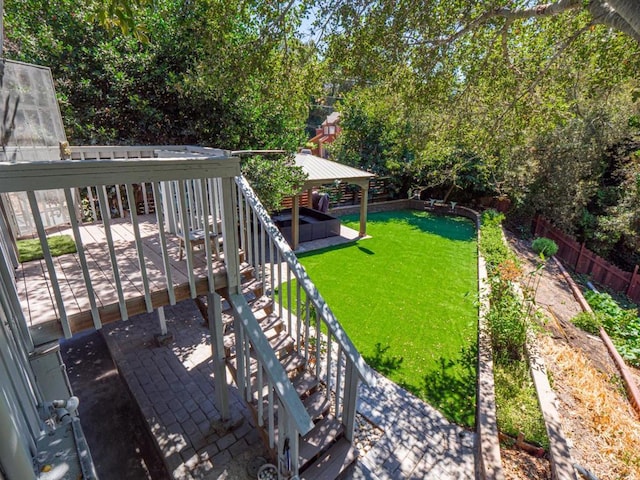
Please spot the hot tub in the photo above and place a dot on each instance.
(313, 224)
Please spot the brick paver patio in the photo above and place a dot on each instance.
(174, 388)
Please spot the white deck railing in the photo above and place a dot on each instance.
(318, 335)
(187, 187)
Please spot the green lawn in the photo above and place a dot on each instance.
(407, 298)
(29, 250)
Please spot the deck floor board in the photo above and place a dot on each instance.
(36, 291)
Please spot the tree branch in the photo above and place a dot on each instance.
(604, 15)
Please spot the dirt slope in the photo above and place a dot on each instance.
(596, 417)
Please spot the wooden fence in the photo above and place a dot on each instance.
(582, 260)
(344, 194)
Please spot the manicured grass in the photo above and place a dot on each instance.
(407, 298)
(58, 244)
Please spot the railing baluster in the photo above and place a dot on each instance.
(289, 304)
(256, 245)
(186, 232)
(247, 352)
(298, 317)
(207, 239)
(104, 211)
(272, 291)
(145, 199)
(280, 306)
(318, 344)
(83, 260)
(307, 327)
(338, 388)
(260, 398)
(141, 261)
(328, 369)
(53, 277)
(271, 415)
(240, 202)
(119, 200)
(159, 199)
(92, 204)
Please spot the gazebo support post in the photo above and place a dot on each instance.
(310, 198)
(364, 200)
(295, 222)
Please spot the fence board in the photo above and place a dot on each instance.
(584, 261)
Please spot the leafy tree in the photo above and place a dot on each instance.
(273, 179)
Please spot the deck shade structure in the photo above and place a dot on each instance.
(321, 172)
(31, 130)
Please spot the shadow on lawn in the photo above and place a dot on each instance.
(452, 387)
(381, 362)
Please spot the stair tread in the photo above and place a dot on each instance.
(316, 404)
(304, 383)
(319, 438)
(291, 362)
(334, 461)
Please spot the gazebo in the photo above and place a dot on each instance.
(321, 172)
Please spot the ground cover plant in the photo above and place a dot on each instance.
(516, 401)
(58, 244)
(622, 324)
(407, 298)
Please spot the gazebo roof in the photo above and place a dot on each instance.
(321, 171)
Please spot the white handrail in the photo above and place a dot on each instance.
(267, 358)
(364, 371)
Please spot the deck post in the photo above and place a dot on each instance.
(230, 235)
(351, 381)
(217, 352)
(364, 200)
(163, 321)
(295, 222)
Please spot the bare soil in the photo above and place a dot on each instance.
(597, 419)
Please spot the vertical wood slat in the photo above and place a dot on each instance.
(119, 199)
(213, 204)
(185, 231)
(83, 261)
(318, 346)
(338, 388)
(92, 203)
(207, 240)
(104, 211)
(271, 415)
(247, 366)
(243, 231)
(298, 317)
(145, 199)
(289, 304)
(259, 398)
(280, 305)
(163, 241)
(49, 262)
(138, 239)
(256, 245)
(230, 228)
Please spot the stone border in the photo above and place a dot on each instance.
(488, 458)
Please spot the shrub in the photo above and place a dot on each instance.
(589, 322)
(545, 247)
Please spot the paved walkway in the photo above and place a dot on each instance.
(417, 443)
(174, 387)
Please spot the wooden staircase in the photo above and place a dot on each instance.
(324, 452)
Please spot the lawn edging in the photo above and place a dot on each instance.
(489, 459)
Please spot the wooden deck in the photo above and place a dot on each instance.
(37, 296)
